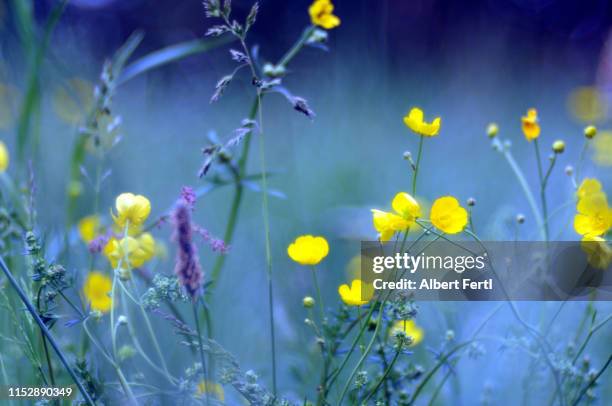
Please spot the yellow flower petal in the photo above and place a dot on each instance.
(4, 157)
(96, 289)
(89, 228)
(321, 14)
(530, 126)
(415, 121)
(448, 216)
(308, 250)
(599, 252)
(357, 295)
(131, 209)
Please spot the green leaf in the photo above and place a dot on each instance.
(171, 54)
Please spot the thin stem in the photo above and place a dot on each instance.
(522, 182)
(200, 345)
(416, 166)
(318, 293)
(383, 377)
(592, 381)
(293, 51)
(542, 190)
(45, 331)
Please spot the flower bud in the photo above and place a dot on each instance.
(407, 155)
(590, 131)
(520, 218)
(122, 320)
(492, 130)
(558, 146)
(569, 170)
(308, 302)
(471, 202)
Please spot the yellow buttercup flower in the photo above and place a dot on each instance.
(4, 157)
(588, 187)
(448, 215)
(308, 250)
(210, 388)
(357, 294)
(410, 328)
(89, 228)
(129, 251)
(132, 209)
(602, 148)
(97, 289)
(594, 217)
(415, 121)
(530, 125)
(406, 209)
(322, 14)
(599, 252)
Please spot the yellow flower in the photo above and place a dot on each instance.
(132, 209)
(602, 148)
(530, 125)
(89, 227)
(414, 121)
(211, 388)
(73, 100)
(97, 289)
(4, 157)
(588, 187)
(410, 328)
(308, 250)
(558, 146)
(587, 104)
(406, 209)
(131, 252)
(594, 216)
(357, 295)
(599, 252)
(448, 216)
(322, 14)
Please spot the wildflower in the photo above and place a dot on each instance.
(406, 209)
(211, 388)
(448, 216)
(130, 252)
(4, 157)
(590, 132)
(530, 125)
(357, 295)
(588, 187)
(410, 329)
(594, 217)
(132, 209)
(187, 266)
(492, 130)
(96, 290)
(189, 197)
(308, 302)
(599, 252)
(558, 147)
(308, 249)
(321, 14)
(89, 227)
(602, 147)
(588, 104)
(414, 121)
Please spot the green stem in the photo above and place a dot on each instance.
(522, 182)
(383, 377)
(318, 293)
(416, 166)
(45, 331)
(201, 347)
(296, 47)
(543, 181)
(592, 381)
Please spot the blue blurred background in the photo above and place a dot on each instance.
(470, 62)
